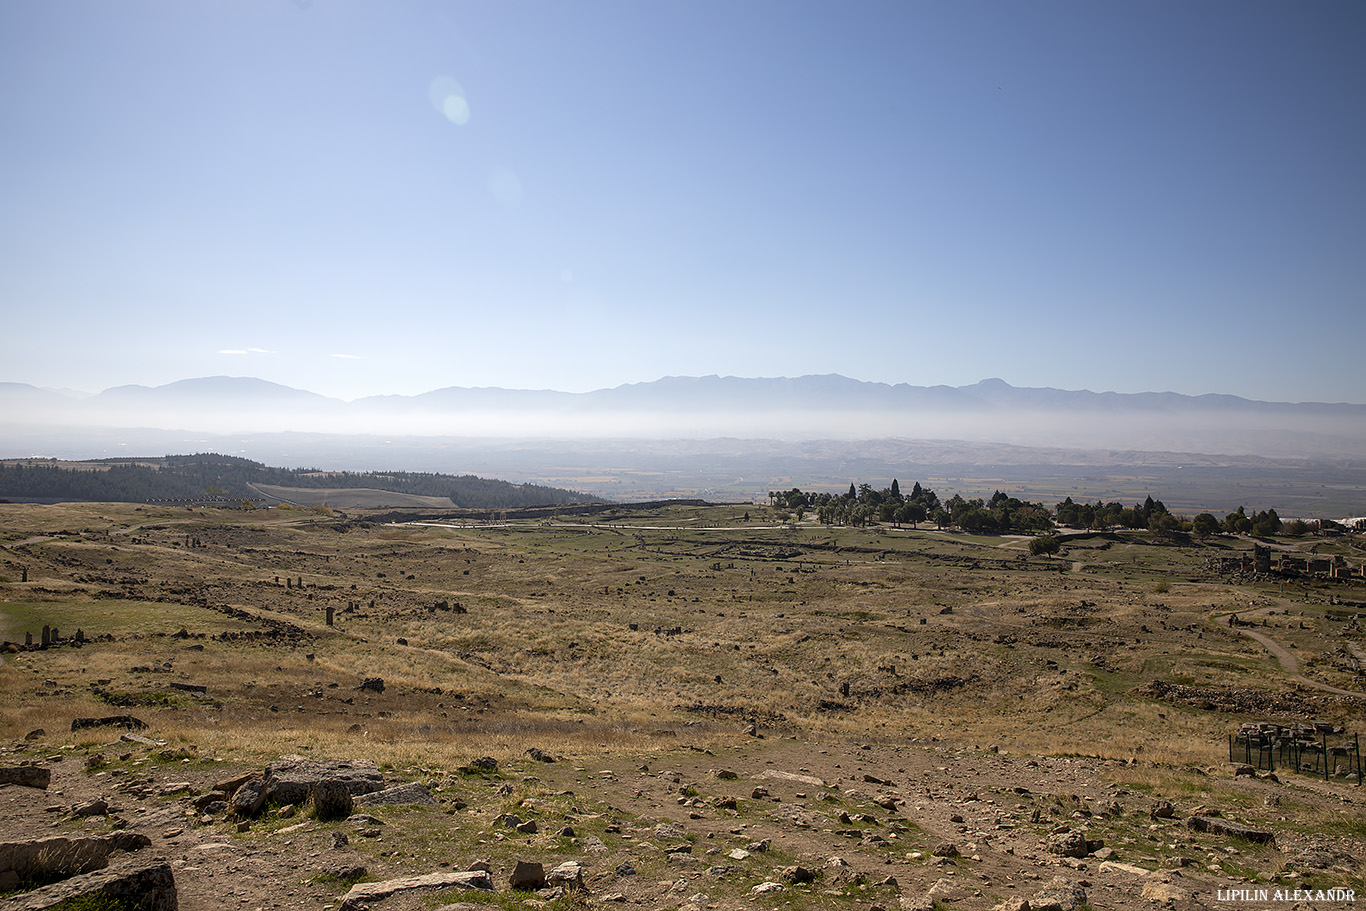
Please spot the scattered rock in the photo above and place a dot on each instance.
(942, 891)
(946, 849)
(1163, 892)
(372, 684)
(96, 807)
(539, 755)
(204, 801)
(351, 872)
(797, 874)
(1311, 859)
(668, 831)
(230, 785)
(481, 766)
(768, 887)
(1059, 895)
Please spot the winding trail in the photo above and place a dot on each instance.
(1289, 663)
(33, 540)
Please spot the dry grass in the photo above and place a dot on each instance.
(582, 639)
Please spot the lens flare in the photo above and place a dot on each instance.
(448, 99)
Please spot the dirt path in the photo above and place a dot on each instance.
(34, 540)
(1289, 663)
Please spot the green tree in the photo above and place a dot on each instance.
(1266, 523)
(1163, 524)
(1048, 545)
(1204, 525)
(1237, 523)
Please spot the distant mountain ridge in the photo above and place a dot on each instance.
(791, 408)
(712, 390)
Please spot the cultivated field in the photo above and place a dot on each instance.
(887, 691)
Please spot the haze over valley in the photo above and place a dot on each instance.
(737, 438)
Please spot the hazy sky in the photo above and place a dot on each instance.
(378, 197)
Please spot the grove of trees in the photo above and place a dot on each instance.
(1003, 514)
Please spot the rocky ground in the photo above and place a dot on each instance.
(767, 822)
(738, 717)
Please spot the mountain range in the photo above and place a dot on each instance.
(799, 408)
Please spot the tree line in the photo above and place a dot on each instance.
(864, 505)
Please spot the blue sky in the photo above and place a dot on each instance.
(362, 198)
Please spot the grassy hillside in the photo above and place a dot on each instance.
(217, 478)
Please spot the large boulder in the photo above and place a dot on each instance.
(1068, 844)
(61, 855)
(29, 776)
(1216, 826)
(331, 799)
(397, 794)
(568, 875)
(292, 778)
(527, 874)
(148, 887)
(121, 721)
(248, 799)
(362, 895)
